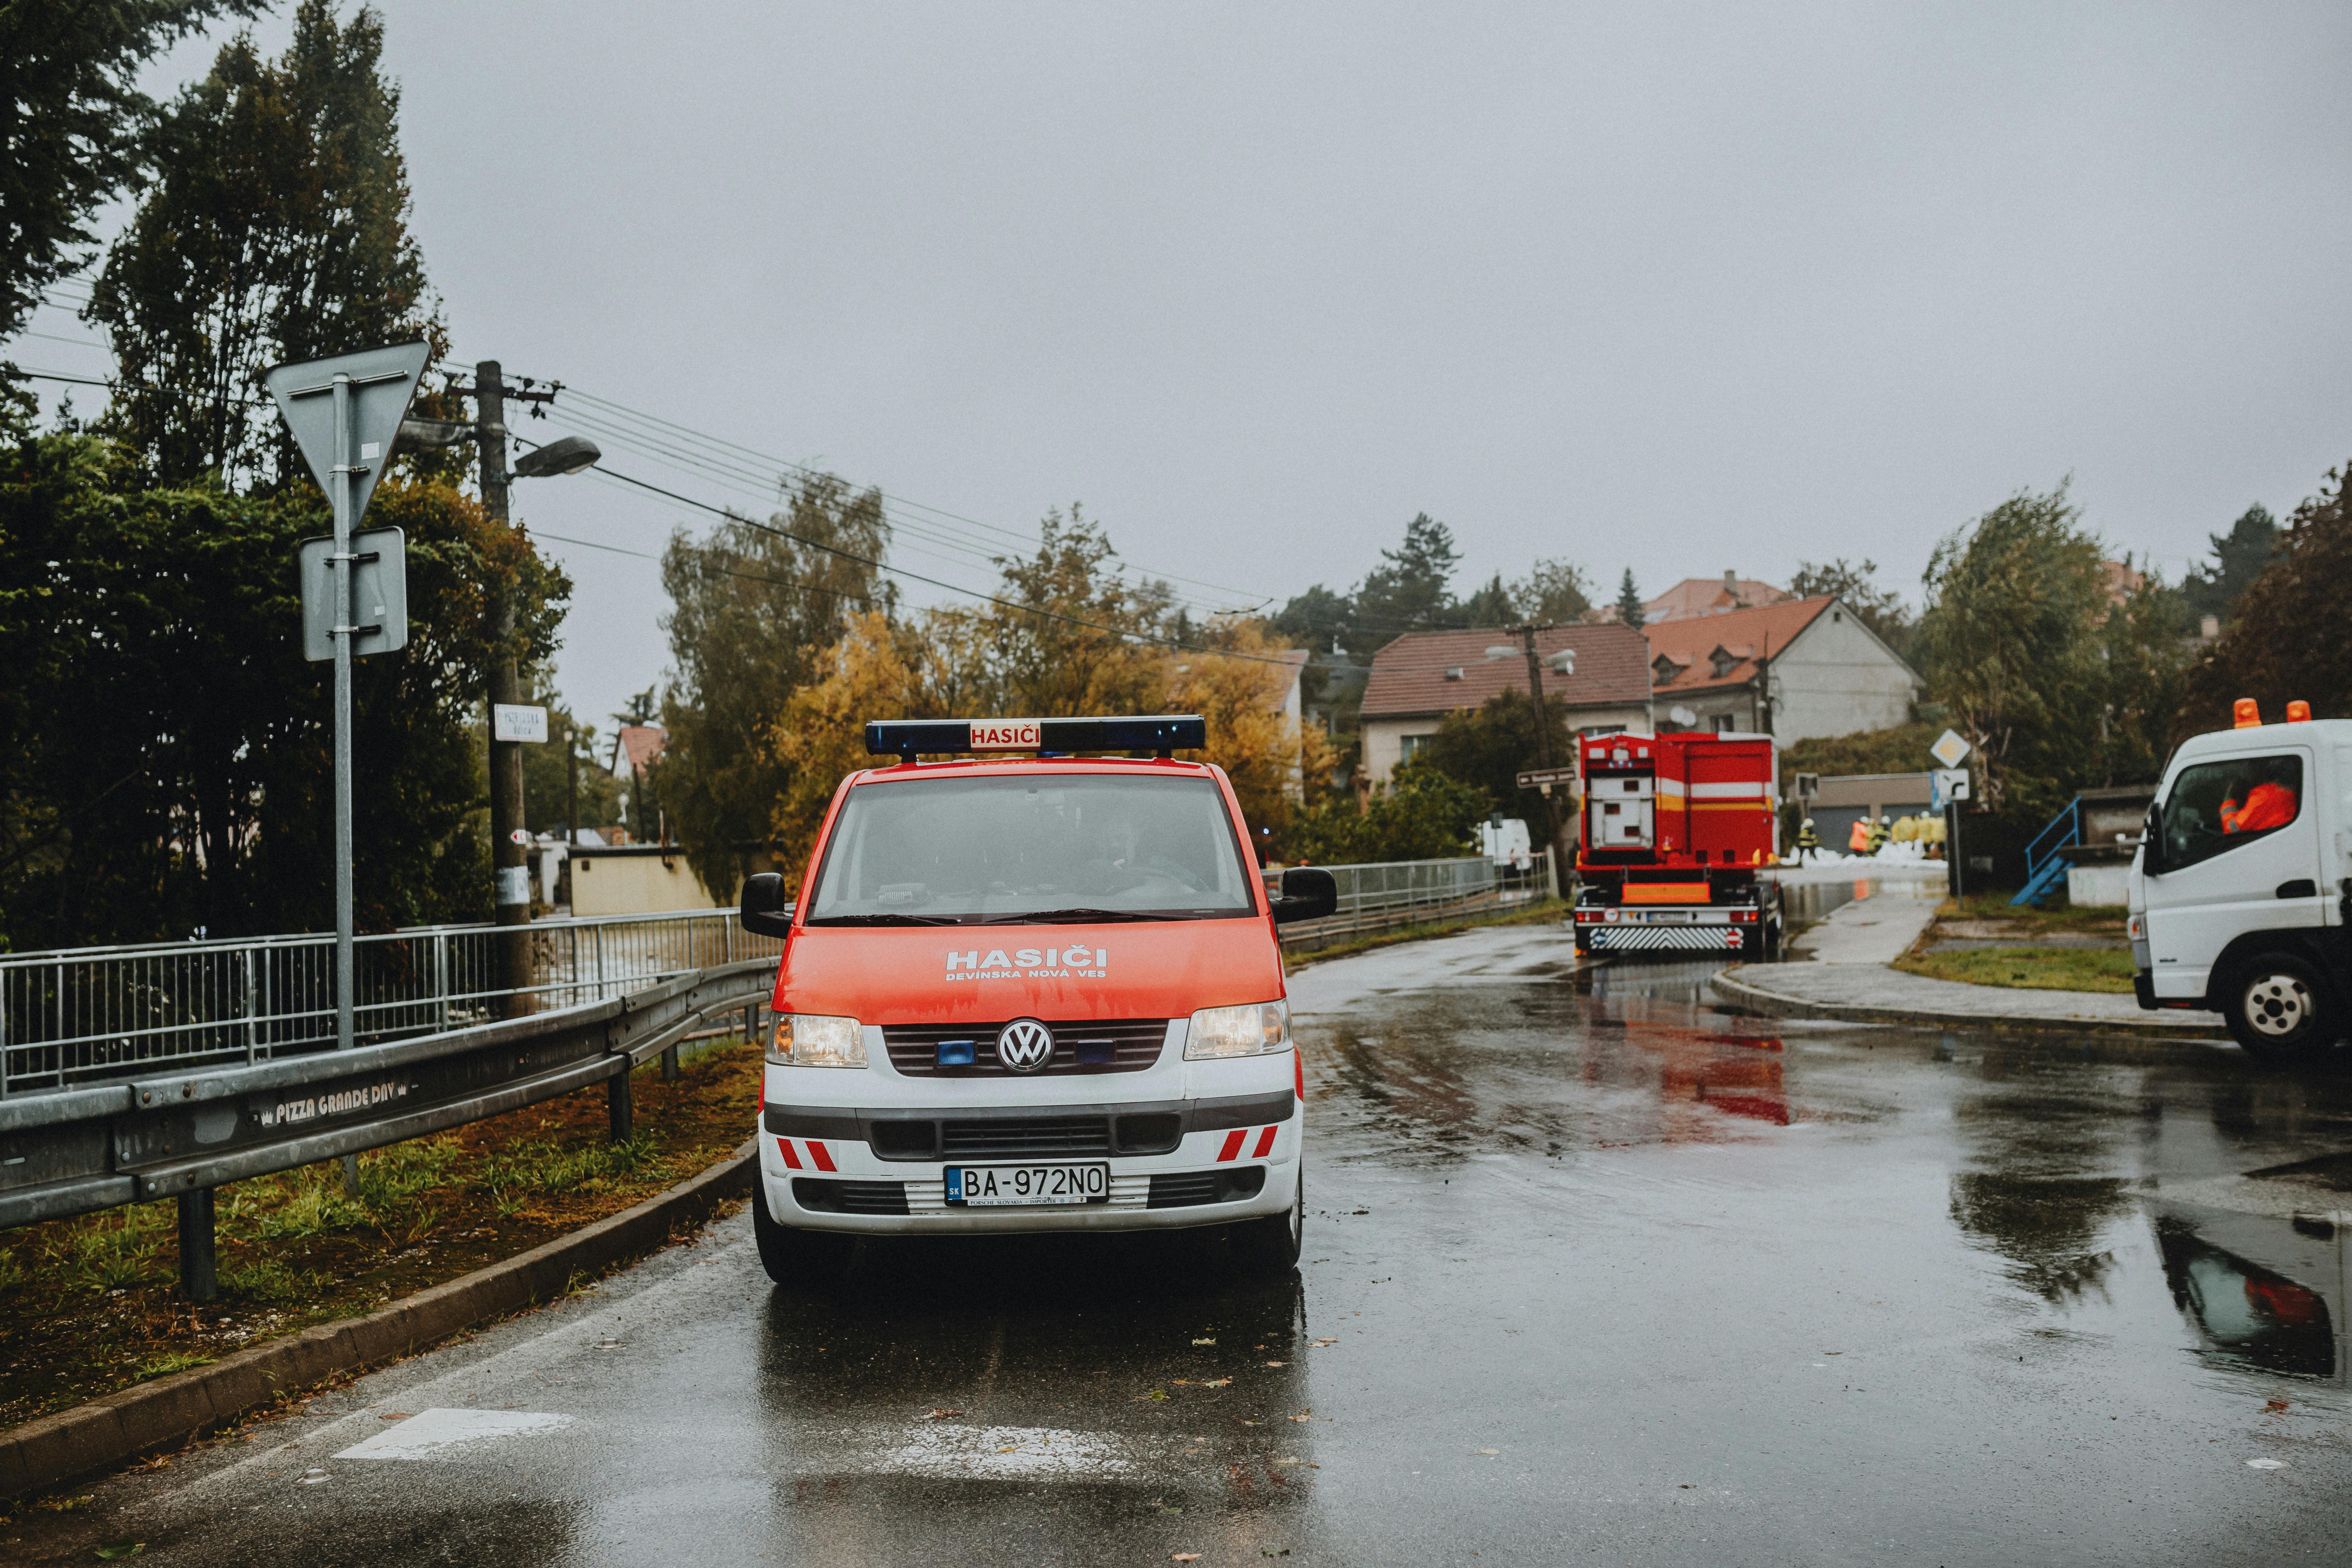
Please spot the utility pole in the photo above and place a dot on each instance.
(1526, 636)
(510, 873)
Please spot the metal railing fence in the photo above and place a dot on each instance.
(90, 1014)
(82, 1015)
(1381, 894)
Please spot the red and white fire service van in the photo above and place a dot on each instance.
(1028, 990)
(1671, 844)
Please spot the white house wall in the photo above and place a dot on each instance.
(1837, 679)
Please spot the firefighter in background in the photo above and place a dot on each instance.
(1877, 834)
(1807, 841)
(1858, 841)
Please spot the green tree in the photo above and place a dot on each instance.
(1424, 815)
(1491, 606)
(1073, 636)
(73, 125)
(2143, 669)
(1412, 588)
(1487, 747)
(2288, 640)
(202, 799)
(1880, 609)
(2010, 641)
(1631, 610)
(753, 606)
(2239, 556)
(1554, 592)
(277, 230)
(1317, 619)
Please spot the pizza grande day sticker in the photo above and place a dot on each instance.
(1079, 962)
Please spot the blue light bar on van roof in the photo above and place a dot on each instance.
(1158, 733)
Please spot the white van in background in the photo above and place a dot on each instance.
(2239, 891)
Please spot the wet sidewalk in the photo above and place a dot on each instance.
(1840, 969)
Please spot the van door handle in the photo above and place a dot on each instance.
(2301, 888)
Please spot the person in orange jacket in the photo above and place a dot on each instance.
(2249, 810)
(1858, 841)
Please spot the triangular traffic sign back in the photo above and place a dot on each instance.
(382, 382)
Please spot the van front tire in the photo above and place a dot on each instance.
(1269, 1246)
(2280, 1009)
(800, 1257)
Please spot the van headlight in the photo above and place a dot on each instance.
(814, 1040)
(1259, 1029)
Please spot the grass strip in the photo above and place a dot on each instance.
(2028, 968)
(1537, 913)
(90, 1305)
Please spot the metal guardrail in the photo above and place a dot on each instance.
(87, 1014)
(1381, 894)
(181, 1135)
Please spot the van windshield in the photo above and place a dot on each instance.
(1057, 845)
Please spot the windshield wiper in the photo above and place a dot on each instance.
(885, 920)
(1088, 917)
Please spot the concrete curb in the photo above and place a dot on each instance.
(169, 1410)
(1728, 986)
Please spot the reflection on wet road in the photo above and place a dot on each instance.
(1595, 1272)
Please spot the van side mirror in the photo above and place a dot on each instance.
(1309, 893)
(767, 908)
(2151, 842)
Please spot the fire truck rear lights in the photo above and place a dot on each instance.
(1161, 733)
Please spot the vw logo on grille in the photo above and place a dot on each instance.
(1025, 1044)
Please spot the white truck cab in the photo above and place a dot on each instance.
(2240, 887)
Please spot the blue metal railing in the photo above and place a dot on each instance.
(2044, 865)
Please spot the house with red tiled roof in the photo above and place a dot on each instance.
(1601, 671)
(1695, 597)
(1794, 671)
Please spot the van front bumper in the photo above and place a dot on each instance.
(1172, 1163)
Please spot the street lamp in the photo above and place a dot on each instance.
(565, 454)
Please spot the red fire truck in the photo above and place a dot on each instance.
(1674, 836)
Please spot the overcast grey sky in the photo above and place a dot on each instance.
(1678, 288)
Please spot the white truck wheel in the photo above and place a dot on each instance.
(2277, 1007)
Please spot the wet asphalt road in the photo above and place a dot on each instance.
(1594, 1273)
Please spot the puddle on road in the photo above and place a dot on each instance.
(2058, 1151)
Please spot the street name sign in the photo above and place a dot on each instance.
(1949, 749)
(1536, 778)
(517, 721)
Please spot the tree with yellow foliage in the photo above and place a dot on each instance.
(948, 663)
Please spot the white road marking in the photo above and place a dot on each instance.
(431, 1433)
(1034, 1452)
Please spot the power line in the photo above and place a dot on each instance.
(725, 451)
(764, 484)
(703, 549)
(1122, 633)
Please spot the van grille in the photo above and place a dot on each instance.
(1082, 1045)
(1025, 1138)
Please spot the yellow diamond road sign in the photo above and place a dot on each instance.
(1949, 749)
